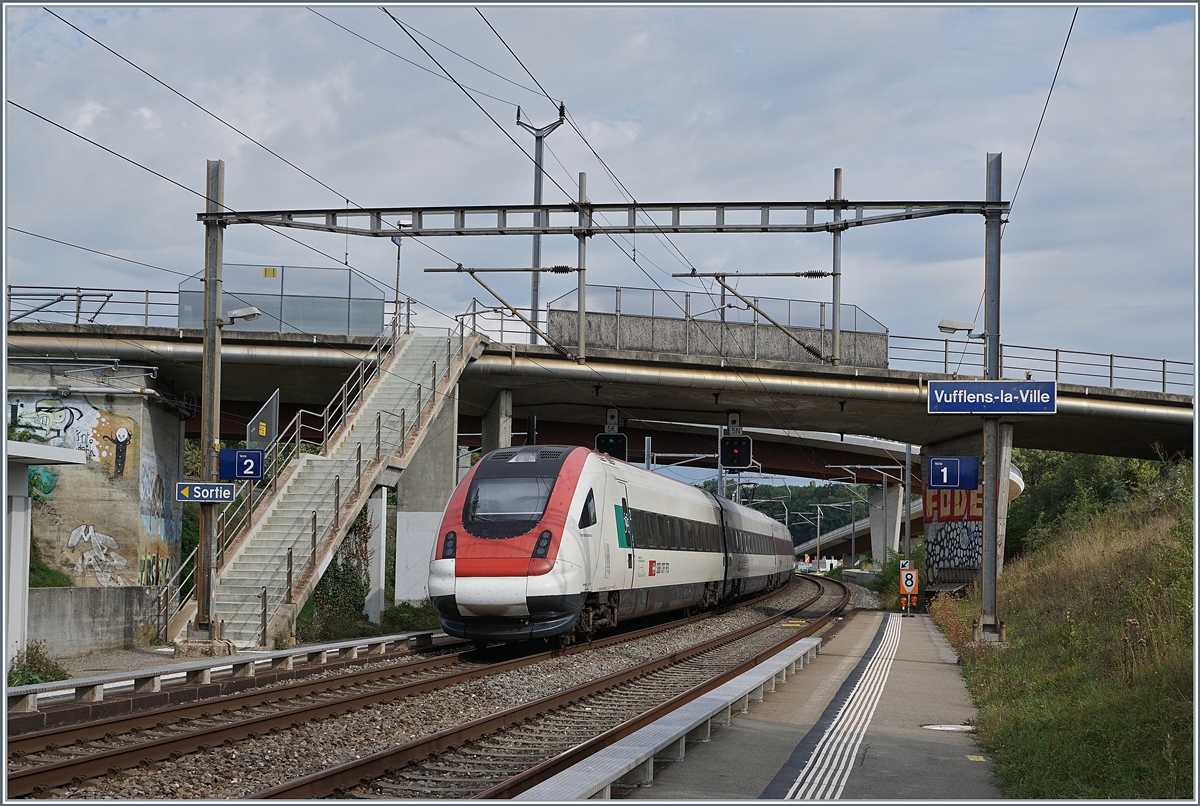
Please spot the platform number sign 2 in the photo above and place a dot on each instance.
(908, 582)
(237, 464)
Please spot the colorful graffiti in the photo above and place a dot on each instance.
(953, 534)
(108, 438)
(154, 564)
(42, 481)
(121, 433)
(50, 421)
(160, 512)
(101, 557)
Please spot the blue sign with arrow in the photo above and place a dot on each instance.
(203, 491)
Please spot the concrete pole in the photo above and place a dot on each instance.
(539, 135)
(990, 620)
(837, 270)
(210, 425)
(907, 498)
(581, 295)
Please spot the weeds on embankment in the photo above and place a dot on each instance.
(1093, 697)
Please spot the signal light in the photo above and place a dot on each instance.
(615, 445)
(449, 545)
(543, 544)
(737, 453)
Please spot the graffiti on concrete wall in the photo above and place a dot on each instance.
(954, 533)
(98, 553)
(52, 421)
(42, 481)
(107, 438)
(955, 544)
(115, 438)
(154, 564)
(159, 510)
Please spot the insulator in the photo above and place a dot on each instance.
(561, 269)
(816, 274)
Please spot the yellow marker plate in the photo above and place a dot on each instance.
(976, 758)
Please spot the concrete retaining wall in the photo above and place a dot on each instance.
(73, 621)
(752, 341)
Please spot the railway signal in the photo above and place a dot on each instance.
(737, 452)
(615, 445)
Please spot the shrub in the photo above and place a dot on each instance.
(34, 665)
(406, 617)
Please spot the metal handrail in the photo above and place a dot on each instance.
(1111, 370)
(121, 305)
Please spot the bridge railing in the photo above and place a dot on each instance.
(1112, 370)
(123, 306)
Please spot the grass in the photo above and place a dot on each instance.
(1093, 697)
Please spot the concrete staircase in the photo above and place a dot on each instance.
(330, 489)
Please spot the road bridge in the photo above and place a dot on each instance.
(658, 372)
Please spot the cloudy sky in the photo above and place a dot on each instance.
(684, 104)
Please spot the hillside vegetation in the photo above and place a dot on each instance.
(1093, 697)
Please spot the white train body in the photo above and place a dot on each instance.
(546, 541)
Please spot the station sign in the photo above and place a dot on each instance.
(952, 473)
(993, 397)
(239, 464)
(203, 492)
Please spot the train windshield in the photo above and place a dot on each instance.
(505, 507)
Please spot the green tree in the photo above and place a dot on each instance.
(1066, 489)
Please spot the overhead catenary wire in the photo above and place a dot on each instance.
(1045, 106)
(273, 153)
(625, 190)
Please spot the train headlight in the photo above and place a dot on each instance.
(449, 544)
(543, 544)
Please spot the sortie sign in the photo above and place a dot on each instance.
(993, 397)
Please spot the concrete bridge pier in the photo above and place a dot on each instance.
(497, 423)
(377, 507)
(421, 495)
(885, 520)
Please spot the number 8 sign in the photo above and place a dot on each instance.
(908, 582)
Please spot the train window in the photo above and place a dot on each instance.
(516, 502)
(588, 516)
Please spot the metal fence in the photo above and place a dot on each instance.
(184, 309)
(965, 358)
(715, 306)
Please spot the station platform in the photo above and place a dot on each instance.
(872, 717)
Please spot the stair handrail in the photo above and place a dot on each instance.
(327, 510)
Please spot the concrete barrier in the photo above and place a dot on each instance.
(74, 621)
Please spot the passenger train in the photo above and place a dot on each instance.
(551, 541)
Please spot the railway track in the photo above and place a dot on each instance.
(70, 761)
(504, 754)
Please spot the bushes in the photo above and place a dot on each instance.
(33, 665)
(1093, 699)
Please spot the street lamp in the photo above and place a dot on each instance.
(954, 326)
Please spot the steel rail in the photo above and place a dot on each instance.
(342, 777)
(553, 766)
(35, 779)
(50, 738)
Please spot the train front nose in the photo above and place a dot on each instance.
(491, 596)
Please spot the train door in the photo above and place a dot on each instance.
(624, 561)
(592, 522)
